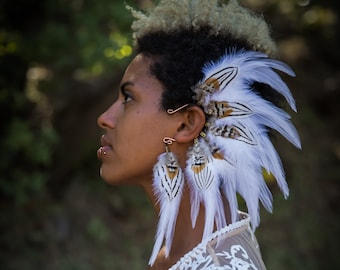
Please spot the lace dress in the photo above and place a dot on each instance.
(233, 247)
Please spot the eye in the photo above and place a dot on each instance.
(126, 94)
(127, 97)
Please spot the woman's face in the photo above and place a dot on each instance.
(134, 126)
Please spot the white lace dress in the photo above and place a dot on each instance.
(233, 247)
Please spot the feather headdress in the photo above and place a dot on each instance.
(236, 131)
(234, 147)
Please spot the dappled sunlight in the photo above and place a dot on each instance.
(8, 43)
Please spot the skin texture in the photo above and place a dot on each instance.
(134, 128)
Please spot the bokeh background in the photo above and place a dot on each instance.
(60, 64)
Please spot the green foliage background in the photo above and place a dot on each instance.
(60, 63)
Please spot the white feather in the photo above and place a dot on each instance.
(227, 173)
(204, 188)
(240, 135)
(253, 67)
(169, 193)
(251, 150)
(264, 114)
(271, 162)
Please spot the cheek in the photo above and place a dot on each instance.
(149, 146)
(137, 140)
(145, 127)
(143, 131)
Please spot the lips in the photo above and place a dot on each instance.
(105, 148)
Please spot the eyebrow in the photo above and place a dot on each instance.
(125, 84)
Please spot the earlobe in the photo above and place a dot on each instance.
(193, 121)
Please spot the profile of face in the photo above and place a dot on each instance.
(134, 127)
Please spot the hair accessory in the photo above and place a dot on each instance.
(172, 111)
(168, 187)
(237, 148)
(232, 150)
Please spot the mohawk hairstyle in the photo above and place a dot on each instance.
(231, 18)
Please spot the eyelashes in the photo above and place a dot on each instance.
(127, 96)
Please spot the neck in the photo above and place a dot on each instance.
(185, 237)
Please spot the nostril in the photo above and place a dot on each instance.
(106, 119)
(100, 121)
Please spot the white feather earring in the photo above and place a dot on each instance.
(204, 185)
(168, 187)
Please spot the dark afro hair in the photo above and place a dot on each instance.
(178, 59)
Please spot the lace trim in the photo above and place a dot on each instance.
(201, 248)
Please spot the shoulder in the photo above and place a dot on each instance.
(233, 247)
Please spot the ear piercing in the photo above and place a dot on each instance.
(168, 140)
(172, 111)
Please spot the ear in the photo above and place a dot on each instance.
(192, 123)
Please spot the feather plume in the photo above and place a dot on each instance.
(251, 67)
(168, 187)
(230, 158)
(238, 123)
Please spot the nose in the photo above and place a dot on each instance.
(106, 119)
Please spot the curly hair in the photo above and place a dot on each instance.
(179, 58)
(181, 36)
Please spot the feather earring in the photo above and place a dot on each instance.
(204, 184)
(168, 187)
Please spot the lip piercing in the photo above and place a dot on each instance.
(102, 152)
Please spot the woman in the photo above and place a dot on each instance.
(190, 127)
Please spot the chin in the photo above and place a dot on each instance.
(113, 179)
(108, 177)
(115, 175)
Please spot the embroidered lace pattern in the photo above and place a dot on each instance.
(234, 247)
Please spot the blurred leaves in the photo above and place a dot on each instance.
(49, 50)
(46, 50)
(28, 153)
(97, 230)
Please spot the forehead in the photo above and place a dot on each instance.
(139, 66)
(138, 74)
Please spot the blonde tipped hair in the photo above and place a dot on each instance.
(230, 18)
